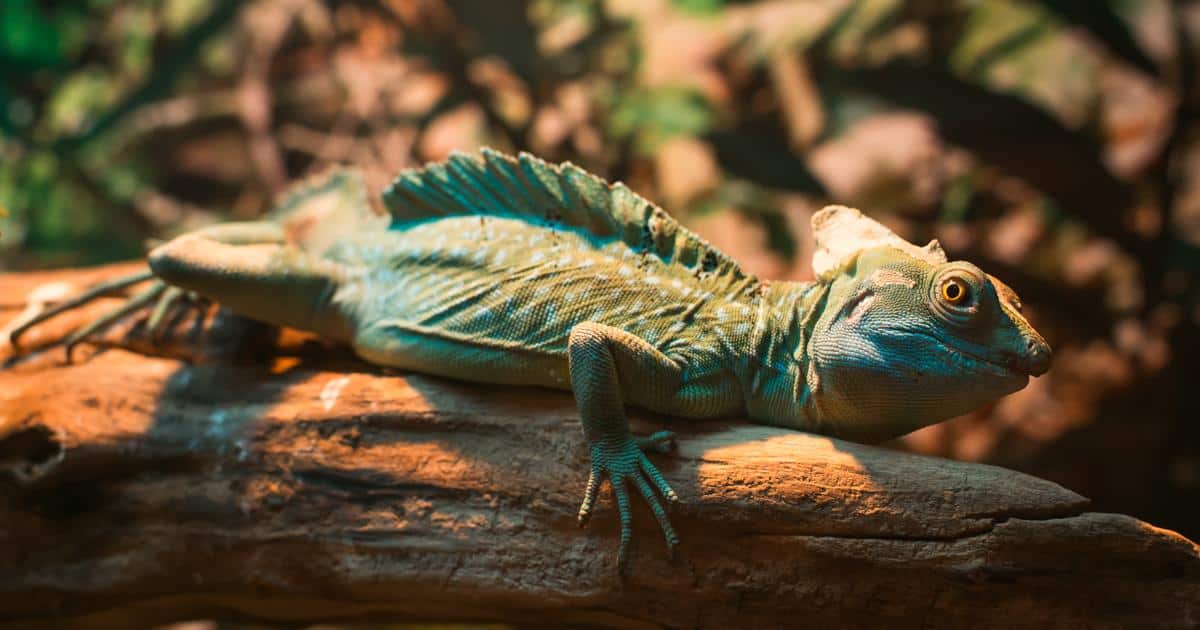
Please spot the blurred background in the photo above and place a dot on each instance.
(1053, 142)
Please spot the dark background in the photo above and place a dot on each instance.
(1055, 143)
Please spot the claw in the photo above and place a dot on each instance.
(626, 520)
(158, 317)
(167, 297)
(99, 290)
(589, 496)
(661, 514)
(659, 481)
(108, 319)
(625, 462)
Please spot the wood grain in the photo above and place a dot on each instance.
(275, 478)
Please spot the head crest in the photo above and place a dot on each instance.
(842, 232)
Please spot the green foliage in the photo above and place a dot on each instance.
(67, 75)
(28, 39)
(700, 7)
(652, 116)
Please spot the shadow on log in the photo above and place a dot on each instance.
(278, 479)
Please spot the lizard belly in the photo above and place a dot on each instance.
(494, 300)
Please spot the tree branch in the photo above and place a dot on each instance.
(301, 485)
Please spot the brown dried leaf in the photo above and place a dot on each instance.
(1137, 115)
(461, 128)
(686, 168)
(894, 156)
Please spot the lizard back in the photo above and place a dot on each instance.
(504, 287)
(532, 190)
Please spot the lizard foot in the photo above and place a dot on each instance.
(163, 296)
(623, 461)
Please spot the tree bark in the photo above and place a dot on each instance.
(272, 477)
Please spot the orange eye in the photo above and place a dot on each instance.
(955, 291)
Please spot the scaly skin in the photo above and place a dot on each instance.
(513, 271)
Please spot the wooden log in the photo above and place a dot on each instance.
(289, 482)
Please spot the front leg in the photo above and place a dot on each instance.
(602, 360)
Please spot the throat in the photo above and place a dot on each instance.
(775, 377)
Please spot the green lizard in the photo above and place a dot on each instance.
(514, 271)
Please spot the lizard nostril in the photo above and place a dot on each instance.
(1037, 356)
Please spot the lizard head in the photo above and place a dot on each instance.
(907, 338)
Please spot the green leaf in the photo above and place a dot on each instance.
(699, 7)
(78, 99)
(1025, 50)
(653, 116)
(178, 15)
(26, 37)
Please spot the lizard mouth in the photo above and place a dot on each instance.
(1033, 358)
(1034, 361)
(1005, 364)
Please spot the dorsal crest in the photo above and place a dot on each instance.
(526, 187)
(842, 232)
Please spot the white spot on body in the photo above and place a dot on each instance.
(721, 335)
(860, 309)
(885, 277)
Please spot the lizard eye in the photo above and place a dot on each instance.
(954, 295)
(955, 291)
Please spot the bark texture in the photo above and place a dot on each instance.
(272, 477)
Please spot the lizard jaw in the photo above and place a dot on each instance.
(1027, 365)
(1033, 363)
